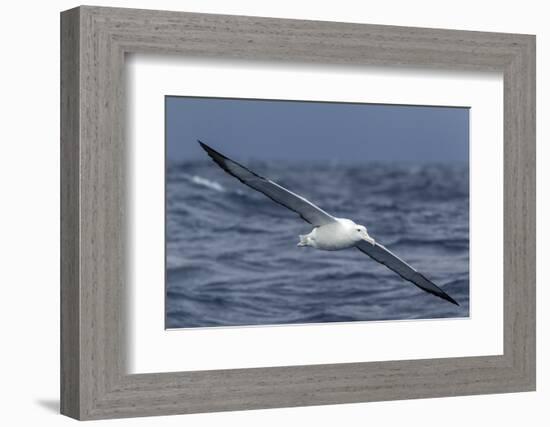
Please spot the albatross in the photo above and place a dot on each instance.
(329, 233)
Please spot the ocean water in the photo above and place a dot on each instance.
(232, 258)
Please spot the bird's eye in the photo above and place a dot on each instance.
(358, 229)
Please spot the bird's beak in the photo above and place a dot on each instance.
(369, 239)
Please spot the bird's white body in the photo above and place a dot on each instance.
(341, 234)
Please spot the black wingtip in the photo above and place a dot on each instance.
(447, 297)
(211, 152)
(451, 300)
(438, 292)
(443, 295)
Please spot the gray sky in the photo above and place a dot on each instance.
(296, 130)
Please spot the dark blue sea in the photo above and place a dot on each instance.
(232, 257)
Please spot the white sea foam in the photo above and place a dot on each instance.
(213, 185)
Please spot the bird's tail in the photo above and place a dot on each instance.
(303, 240)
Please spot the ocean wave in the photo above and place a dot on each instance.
(232, 257)
(204, 182)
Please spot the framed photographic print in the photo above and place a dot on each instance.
(263, 213)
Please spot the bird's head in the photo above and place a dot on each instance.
(362, 234)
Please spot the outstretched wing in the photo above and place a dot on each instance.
(394, 263)
(307, 210)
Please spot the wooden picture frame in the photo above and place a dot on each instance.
(94, 41)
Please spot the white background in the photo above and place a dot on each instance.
(154, 350)
(29, 218)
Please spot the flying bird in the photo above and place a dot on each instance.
(329, 233)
